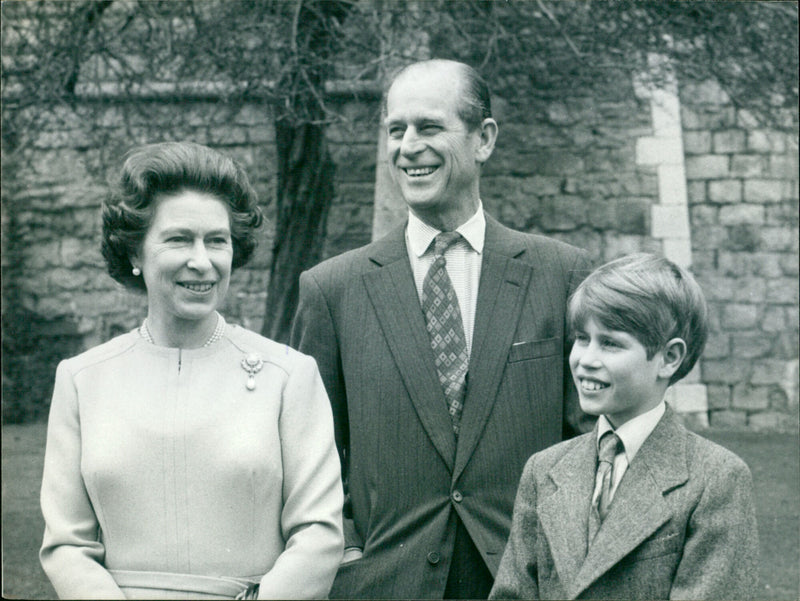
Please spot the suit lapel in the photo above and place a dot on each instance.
(393, 294)
(564, 514)
(501, 294)
(639, 507)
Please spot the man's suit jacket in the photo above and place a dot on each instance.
(405, 473)
(681, 525)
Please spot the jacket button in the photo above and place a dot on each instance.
(457, 496)
(434, 558)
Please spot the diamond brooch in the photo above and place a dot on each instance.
(252, 364)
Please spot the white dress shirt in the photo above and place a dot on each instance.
(632, 433)
(463, 262)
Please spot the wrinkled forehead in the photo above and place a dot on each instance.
(425, 91)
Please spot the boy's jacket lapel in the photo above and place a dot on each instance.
(639, 507)
(573, 480)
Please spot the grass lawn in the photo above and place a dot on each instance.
(773, 458)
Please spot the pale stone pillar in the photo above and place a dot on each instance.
(670, 217)
(390, 208)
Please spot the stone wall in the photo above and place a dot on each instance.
(579, 173)
(57, 297)
(742, 179)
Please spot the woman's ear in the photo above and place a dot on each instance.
(672, 356)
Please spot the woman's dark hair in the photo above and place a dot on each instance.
(156, 170)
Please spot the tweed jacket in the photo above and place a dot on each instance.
(165, 476)
(406, 474)
(681, 526)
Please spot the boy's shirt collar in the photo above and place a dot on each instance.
(634, 432)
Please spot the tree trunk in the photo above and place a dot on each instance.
(305, 193)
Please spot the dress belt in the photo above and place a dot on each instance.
(226, 586)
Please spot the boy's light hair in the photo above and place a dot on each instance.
(648, 297)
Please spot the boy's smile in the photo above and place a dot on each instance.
(613, 375)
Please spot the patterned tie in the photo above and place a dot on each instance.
(443, 317)
(610, 445)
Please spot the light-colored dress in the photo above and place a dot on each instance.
(165, 476)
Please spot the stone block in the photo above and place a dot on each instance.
(768, 372)
(775, 319)
(749, 290)
(718, 346)
(717, 287)
(602, 213)
(539, 185)
(719, 396)
(788, 263)
(772, 421)
(777, 238)
(654, 150)
(564, 213)
(742, 237)
(672, 185)
(751, 345)
(227, 135)
(615, 245)
(696, 192)
(696, 142)
(783, 291)
(687, 398)
(729, 141)
(669, 221)
(548, 162)
(630, 216)
(748, 165)
(678, 250)
(703, 216)
(741, 213)
(726, 371)
(725, 191)
(787, 345)
(696, 421)
(766, 190)
(759, 140)
(783, 166)
(67, 279)
(708, 92)
(44, 255)
(51, 307)
(709, 117)
(260, 134)
(749, 397)
(704, 260)
(786, 214)
(707, 166)
(739, 316)
(728, 420)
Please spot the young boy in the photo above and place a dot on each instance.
(640, 508)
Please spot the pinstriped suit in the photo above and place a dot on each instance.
(406, 474)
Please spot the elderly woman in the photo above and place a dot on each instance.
(188, 458)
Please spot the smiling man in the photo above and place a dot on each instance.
(442, 348)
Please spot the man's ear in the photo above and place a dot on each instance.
(488, 139)
(671, 357)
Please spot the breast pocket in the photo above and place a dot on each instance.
(656, 547)
(535, 349)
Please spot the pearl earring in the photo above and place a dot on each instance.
(136, 271)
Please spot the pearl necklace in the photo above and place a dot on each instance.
(219, 329)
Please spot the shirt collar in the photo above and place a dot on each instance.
(634, 432)
(420, 235)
